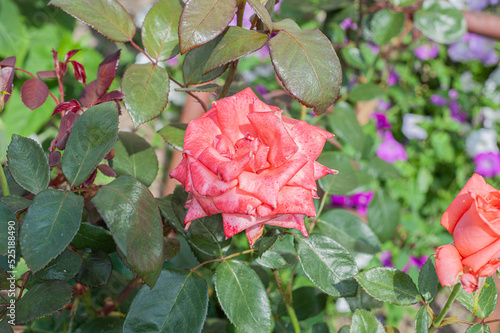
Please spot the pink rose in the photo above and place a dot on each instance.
(245, 160)
(473, 219)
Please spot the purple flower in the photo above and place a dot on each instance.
(348, 23)
(246, 17)
(487, 164)
(393, 77)
(261, 89)
(263, 52)
(342, 201)
(383, 105)
(477, 5)
(473, 47)
(457, 113)
(417, 262)
(426, 51)
(374, 47)
(453, 94)
(173, 61)
(390, 150)
(386, 259)
(438, 100)
(381, 121)
(362, 201)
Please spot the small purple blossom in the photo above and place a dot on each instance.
(478, 5)
(487, 164)
(381, 121)
(473, 47)
(348, 23)
(386, 259)
(453, 94)
(374, 47)
(383, 105)
(438, 100)
(457, 113)
(426, 51)
(342, 201)
(362, 201)
(173, 61)
(393, 77)
(417, 262)
(390, 150)
(261, 89)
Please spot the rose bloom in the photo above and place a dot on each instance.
(245, 160)
(472, 219)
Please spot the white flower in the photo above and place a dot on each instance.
(410, 126)
(483, 140)
(490, 116)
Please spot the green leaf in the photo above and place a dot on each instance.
(14, 188)
(4, 326)
(336, 184)
(387, 24)
(307, 56)
(173, 135)
(383, 169)
(42, 299)
(422, 321)
(487, 300)
(208, 240)
(50, 224)
(352, 55)
(383, 215)
(15, 202)
(108, 324)
(348, 229)
(135, 157)
(194, 62)
(478, 328)
(8, 221)
(172, 209)
(106, 16)
(308, 302)
(177, 303)
(403, 3)
(242, 297)
(328, 265)
(262, 13)
(93, 237)
(235, 43)
(440, 21)
(363, 300)
(146, 92)
(271, 259)
(365, 322)
(203, 20)
(428, 281)
(269, 239)
(286, 24)
(388, 284)
(365, 92)
(159, 31)
(132, 216)
(210, 87)
(63, 267)
(96, 269)
(171, 247)
(345, 125)
(14, 36)
(28, 164)
(92, 138)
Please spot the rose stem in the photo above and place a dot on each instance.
(3, 182)
(440, 317)
(320, 209)
(287, 298)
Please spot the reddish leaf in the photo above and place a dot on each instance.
(61, 143)
(114, 95)
(8, 62)
(67, 123)
(91, 178)
(70, 106)
(54, 158)
(106, 72)
(70, 54)
(79, 72)
(6, 83)
(107, 170)
(54, 58)
(43, 75)
(34, 92)
(89, 96)
(110, 155)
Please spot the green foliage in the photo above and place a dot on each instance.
(481, 303)
(440, 21)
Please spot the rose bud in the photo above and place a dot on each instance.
(246, 160)
(473, 219)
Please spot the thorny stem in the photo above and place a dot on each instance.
(439, 319)
(222, 259)
(33, 76)
(203, 105)
(4, 183)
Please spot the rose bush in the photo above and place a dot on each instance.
(245, 160)
(473, 219)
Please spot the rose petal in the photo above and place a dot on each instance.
(235, 223)
(471, 234)
(479, 259)
(272, 132)
(205, 182)
(305, 177)
(259, 160)
(224, 145)
(321, 170)
(291, 200)
(448, 265)
(200, 134)
(180, 172)
(289, 221)
(489, 269)
(224, 167)
(488, 207)
(469, 283)
(266, 185)
(236, 201)
(195, 211)
(310, 139)
(253, 233)
(462, 202)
